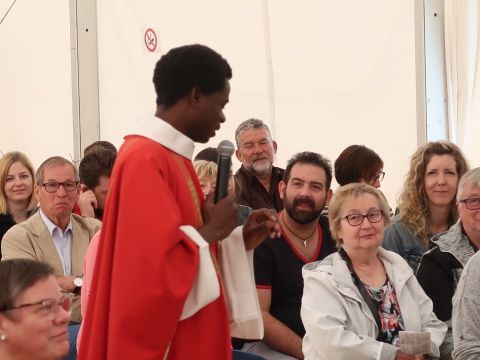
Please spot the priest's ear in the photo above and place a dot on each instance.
(195, 96)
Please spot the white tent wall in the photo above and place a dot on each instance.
(323, 74)
(35, 79)
(345, 74)
(232, 28)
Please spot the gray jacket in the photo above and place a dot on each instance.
(439, 272)
(466, 313)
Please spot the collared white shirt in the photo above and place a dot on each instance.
(62, 241)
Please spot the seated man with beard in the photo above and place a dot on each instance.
(256, 182)
(278, 263)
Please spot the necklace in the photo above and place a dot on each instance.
(304, 239)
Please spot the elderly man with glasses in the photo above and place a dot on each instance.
(440, 268)
(54, 235)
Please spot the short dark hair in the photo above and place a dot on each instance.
(185, 67)
(355, 163)
(16, 276)
(94, 165)
(310, 158)
(207, 154)
(100, 145)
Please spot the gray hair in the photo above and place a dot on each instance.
(55, 161)
(249, 125)
(470, 178)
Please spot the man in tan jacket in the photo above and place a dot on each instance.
(54, 235)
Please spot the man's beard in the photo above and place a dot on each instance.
(302, 216)
(260, 166)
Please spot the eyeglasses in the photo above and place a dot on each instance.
(48, 307)
(379, 177)
(53, 186)
(471, 204)
(373, 216)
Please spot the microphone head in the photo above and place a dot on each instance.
(225, 148)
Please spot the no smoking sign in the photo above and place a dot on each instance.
(150, 40)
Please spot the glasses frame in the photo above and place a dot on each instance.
(65, 303)
(379, 177)
(346, 217)
(468, 201)
(58, 184)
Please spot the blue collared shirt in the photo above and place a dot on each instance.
(62, 241)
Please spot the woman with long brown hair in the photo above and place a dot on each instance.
(427, 202)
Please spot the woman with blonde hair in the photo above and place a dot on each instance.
(427, 202)
(207, 175)
(356, 302)
(17, 201)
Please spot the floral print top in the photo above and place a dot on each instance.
(386, 301)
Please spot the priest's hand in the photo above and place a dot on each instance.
(260, 224)
(219, 219)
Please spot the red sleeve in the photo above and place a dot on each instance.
(145, 266)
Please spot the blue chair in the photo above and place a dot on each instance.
(72, 337)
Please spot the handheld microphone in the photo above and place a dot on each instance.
(224, 163)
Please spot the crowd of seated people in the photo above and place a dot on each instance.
(435, 233)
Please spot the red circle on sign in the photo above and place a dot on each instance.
(150, 39)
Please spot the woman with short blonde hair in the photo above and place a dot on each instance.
(357, 301)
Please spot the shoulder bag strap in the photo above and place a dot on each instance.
(368, 299)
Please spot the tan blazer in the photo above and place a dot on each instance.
(31, 240)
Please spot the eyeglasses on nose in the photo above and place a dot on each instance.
(373, 217)
(472, 203)
(53, 186)
(379, 177)
(48, 307)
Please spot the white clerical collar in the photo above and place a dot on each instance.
(164, 133)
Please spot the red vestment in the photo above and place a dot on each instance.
(146, 265)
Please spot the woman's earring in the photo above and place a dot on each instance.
(3, 337)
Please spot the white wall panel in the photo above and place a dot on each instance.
(345, 74)
(35, 79)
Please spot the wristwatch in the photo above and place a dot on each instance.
(77, 282)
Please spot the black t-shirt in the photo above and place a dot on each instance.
(278, 266)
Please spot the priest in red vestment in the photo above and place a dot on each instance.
(153, 293)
